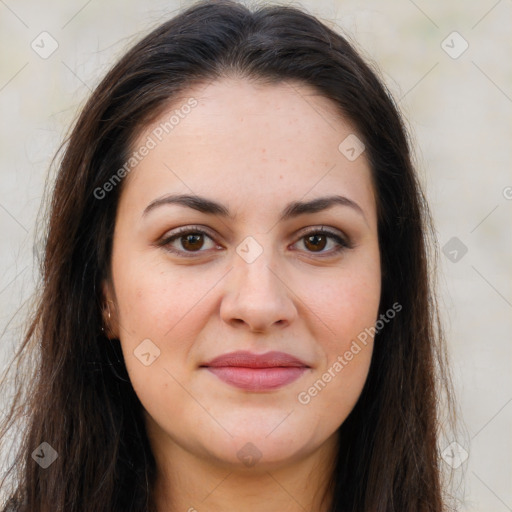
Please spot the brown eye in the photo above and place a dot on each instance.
(315, 242)
(188, 241)
(192, 241)
(324, 242)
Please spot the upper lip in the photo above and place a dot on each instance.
(247, 359)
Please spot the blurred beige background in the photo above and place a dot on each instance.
(455, 90)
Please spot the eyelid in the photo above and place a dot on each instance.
(183, 230)
(335, 233)
(195, 228)
(342, 240)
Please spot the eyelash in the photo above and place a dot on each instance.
(343, 244)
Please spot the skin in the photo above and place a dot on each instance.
(253, 148)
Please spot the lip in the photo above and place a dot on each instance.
(257, 372)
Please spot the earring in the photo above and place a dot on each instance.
(108, 319)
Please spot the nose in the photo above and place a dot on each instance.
(257, 297)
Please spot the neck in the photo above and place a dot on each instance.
(187, 483)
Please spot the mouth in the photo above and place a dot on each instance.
(257, 372)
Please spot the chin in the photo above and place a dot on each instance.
(256, 451)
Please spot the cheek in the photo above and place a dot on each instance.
(346, 306)
(341, 305)
(159, 315)
(160, 318)
(154, 302)
(335, 386)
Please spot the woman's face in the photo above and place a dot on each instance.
(218, 248)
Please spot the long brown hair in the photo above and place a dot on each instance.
(78, 397)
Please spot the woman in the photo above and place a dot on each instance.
(235, 309)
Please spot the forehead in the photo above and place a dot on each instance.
(237, 137)
(232, 101)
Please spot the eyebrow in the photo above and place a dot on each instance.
(293, 209)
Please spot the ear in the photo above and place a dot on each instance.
(109, 311)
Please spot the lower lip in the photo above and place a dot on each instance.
(257, 379)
